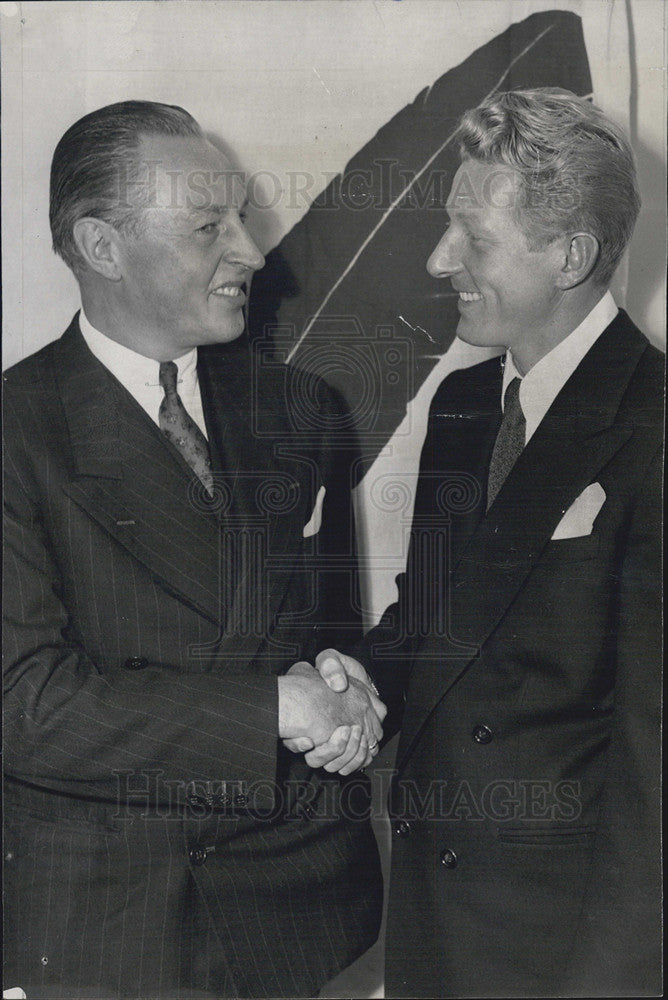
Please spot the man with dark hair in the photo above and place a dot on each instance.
(163, 526)
(525, 807)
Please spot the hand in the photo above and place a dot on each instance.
(343, 729)
(347, 750)
(335, 668)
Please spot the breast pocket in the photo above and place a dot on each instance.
(580, 549)
(547, 837)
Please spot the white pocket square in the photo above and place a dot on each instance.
(313, 526)
(580, 516)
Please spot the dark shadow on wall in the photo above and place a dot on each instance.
(346, 293)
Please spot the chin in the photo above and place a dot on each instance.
(225, 334)
(470, 335)
(477, 336)
(233, 334)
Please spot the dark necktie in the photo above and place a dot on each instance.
(178, 426)
(509, 441)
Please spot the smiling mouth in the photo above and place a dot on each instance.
(229, 291)
(469, 297)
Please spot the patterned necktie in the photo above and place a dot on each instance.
(509, 441)
(178, 426)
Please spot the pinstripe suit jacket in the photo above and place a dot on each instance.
(160, 840)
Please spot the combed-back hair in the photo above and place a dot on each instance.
(576, 167)
(95, 167)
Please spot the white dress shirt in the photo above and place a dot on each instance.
(542, 383)
(139, 374)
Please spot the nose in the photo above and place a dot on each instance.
(241, 249)
(444, 259)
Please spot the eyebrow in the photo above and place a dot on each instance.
(216, 209)
(470, 218)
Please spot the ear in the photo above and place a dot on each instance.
(97, 243)
(581, 253)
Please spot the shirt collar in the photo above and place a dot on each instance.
(129, 367)
(542, 383)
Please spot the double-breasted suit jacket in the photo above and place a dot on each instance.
(159, 839)
(525, 805)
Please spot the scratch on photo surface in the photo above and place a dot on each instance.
(322, 81)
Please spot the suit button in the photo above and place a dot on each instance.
(402, 828)
(135, 663)
(448, 858)
(197, 856)
(482, 734)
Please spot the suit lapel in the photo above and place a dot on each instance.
(577, 437)
(126, 478)
(473, 445)
(575, 440)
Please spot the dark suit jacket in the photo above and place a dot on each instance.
(159, 838)
(526, 803)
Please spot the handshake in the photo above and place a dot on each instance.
(331, 713)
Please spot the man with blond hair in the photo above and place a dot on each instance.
(526, 804)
